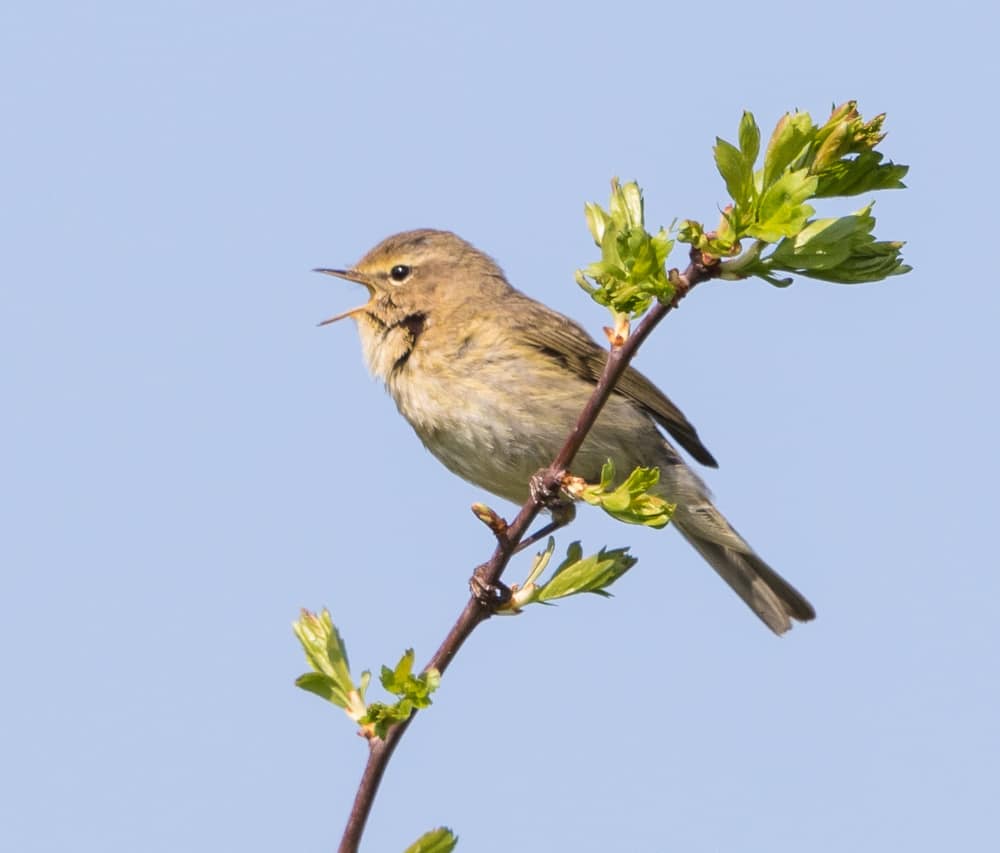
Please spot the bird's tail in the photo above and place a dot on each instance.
(766, 592)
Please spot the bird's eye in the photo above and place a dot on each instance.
(399, 273)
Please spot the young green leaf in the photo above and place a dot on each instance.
(414, 692)
(327, 655)
(597, 221)
(735, 171)
(395, 680)
(841, 250)
(631, 272)
(381, 717)
(541, 563)
(791, 136)
(865, 173)
(415, 688)
(693, 233)
(824, 243)
(574, 575)
(440, 840)
(749, 137)
(803, 161)
(630, 501)
(627, 208)
(366, 678)
(782, 211)
(322, 686)
(594, 574)
(527, 592)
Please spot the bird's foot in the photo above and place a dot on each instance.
(545, 486)
(491, 596)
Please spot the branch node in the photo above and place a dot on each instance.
(618, 334)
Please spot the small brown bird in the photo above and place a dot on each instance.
(492, 381)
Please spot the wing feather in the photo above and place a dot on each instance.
(564, 340)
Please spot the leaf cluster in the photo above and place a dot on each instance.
(440, 840)
(574, 575)
(326, 653)
(414, 691)
(630, 501)
(803, 161)
(632, 270)
(330, 677)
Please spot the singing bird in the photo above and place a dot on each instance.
(492, 381)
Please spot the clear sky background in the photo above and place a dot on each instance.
(187, 460)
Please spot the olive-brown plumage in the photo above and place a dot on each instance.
(492, 381)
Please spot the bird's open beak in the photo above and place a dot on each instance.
(349, 275)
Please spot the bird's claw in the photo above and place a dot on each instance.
(491, 596)
(545, 486)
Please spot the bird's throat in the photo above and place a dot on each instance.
(388, 339)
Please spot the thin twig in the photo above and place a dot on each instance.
(380, 751)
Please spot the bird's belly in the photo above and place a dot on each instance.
(497, 439)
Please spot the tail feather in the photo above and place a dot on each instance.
(768, 594)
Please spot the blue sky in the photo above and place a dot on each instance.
(189, 460)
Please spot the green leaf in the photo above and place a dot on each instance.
(631, 272)
(402, 682)
(824, 243)
(735, 171)
(791, 136)
(327, 655)
(574, 575)
(395, 680)
(782, 211)
(841, 250)
(689, 231)
(629, 502)
(872, 262)
(440, 840)
(736, 165)
(627, 208)
(594, 574)
(414, 692)
(749, 138)
(865, 173)
(843, 134)
(316, 682)
(597, 221)
(366, 678)
(843, 155)
(540, 563)
(382, 717)
(803, 161)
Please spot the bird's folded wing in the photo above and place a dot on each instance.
(564, 340)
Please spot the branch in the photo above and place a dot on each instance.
(700, 269)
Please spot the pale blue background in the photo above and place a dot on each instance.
(188, 459)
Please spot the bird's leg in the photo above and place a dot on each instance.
(491, 596)
(546, 489)
(494, 596)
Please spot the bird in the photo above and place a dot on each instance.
(492, 381)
